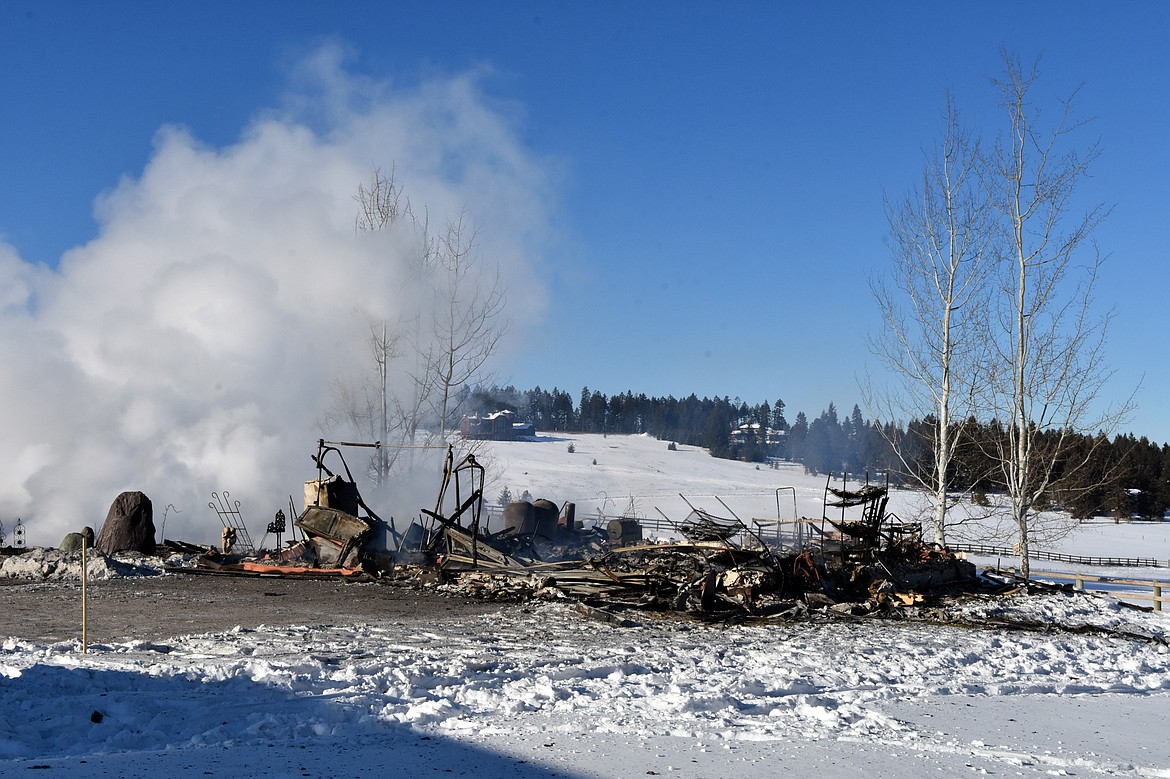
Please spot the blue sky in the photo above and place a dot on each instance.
(714, 172)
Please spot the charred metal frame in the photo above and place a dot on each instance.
(228, 511)
(325, 447)
(467, 473)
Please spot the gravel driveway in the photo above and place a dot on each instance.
(156, 607)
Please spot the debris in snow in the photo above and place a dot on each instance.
(723, 573)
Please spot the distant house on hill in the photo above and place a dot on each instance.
(751, 431)
(497, 426)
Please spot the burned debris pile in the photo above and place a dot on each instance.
(718, 571)
(341, 536)
(534, 534)
(713, 568)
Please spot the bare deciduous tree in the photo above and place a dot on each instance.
(442, 340)
(380, 203)
(466, 322)
(990, 312)
(1049, 361)
(368, 406)
(934, 305)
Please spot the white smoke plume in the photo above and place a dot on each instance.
(190, 346)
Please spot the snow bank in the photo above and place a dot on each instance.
(54, 565)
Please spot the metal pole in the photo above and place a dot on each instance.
(799, 526)
(844, 488)
(84, 608)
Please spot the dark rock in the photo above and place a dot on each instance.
(73, 542)
(129, 525)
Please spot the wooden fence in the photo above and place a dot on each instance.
(1107, 585)
(1034, 554)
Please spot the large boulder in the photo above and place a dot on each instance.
(74, 542)
(129, 525)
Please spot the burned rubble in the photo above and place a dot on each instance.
(724, 572)
(716, 568)
(336, 541)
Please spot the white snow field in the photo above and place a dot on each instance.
(537, 690)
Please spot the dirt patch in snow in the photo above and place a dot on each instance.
(158, 607)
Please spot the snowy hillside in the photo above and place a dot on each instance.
(604, 473)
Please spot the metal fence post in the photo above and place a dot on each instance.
(84, 602)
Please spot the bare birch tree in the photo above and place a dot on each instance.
(933, 306)
(466, 321)
(365, 407)
(1049, 361)
(441, 343)
(379, 203)
(369, 406)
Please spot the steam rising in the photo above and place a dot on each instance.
(191, 346)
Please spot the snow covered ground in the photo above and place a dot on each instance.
(539, 691)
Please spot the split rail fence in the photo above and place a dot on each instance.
(1122, 589)
(1003, 551)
